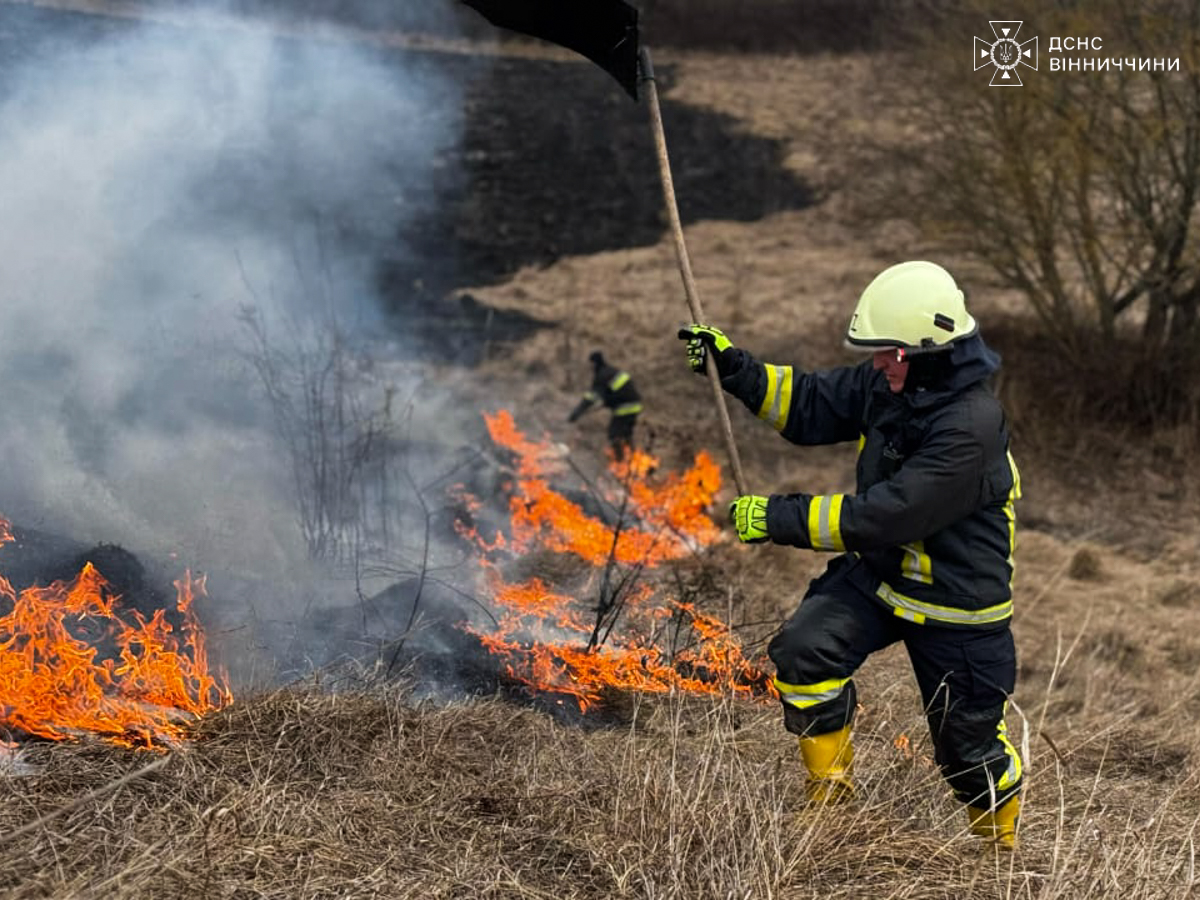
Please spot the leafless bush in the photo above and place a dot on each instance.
(330, 437)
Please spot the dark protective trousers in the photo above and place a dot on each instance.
(620, 434)
(965, 677)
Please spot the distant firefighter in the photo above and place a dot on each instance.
(614, 388)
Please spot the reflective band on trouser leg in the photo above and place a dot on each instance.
(778, 400)
(628, 409)
(1012, 775)
(802, 696)
(825, 522)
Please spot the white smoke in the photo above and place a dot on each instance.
(153, 180)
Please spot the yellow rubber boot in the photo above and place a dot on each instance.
(829, 759)
(999, 826)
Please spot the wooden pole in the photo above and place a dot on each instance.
(685, 265)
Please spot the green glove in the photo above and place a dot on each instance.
(748, 514)
(700, 339)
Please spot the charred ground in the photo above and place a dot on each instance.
(552, 163)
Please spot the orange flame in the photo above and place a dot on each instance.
(57, 684)
(671, 515)
(551, 639)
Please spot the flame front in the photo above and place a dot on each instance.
(551, 639)
(71, 664)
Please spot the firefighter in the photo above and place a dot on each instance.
(614, 388)
(925, 544)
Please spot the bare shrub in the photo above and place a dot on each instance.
(310, 384)
(1079, 189)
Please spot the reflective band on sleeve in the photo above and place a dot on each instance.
(916, 565)
(825, 522)
(618, 381)
(628, 409)
(591, 396)
(803, 696)
(916, 611)
(778, 400)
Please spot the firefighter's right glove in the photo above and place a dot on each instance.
(703, 340)
(748, 514)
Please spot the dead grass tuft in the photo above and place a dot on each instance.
(1085, 565)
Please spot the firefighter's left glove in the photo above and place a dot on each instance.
(703, 341)
(748, 514)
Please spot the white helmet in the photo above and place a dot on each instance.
(915, 305)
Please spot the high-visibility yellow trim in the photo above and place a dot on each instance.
(591, 396)
(764, 411)
(825, 522)
(785, 398)
(916, 565)
(778, 400)
(914, 617)
(1013, 773)
(628, 409)
(918, 611)
(803, 696)
(1010, 513)
(862, 442)
(619, 381)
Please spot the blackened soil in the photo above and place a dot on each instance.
(39, 559)
(543, 159)
(555, 161)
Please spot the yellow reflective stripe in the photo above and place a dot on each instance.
(778, 400)
(764, 411)
(618, 381)
(1010, 513)
(591, 396)
(785, 398)
(862, 442)
(1013, 773)
(803, 696)
(628, 409)
(825, 522)
(916, 565)
(915, 617)
(1016, 488)
(917, 611)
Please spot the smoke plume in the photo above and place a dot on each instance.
(156, 179)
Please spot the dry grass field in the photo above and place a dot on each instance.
(347, 786)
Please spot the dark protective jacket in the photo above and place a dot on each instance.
(930, 528)
(614, 388)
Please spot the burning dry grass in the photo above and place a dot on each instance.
(362, 792)
(316, 791)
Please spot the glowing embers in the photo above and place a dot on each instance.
(621, 623)
(72, 663)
